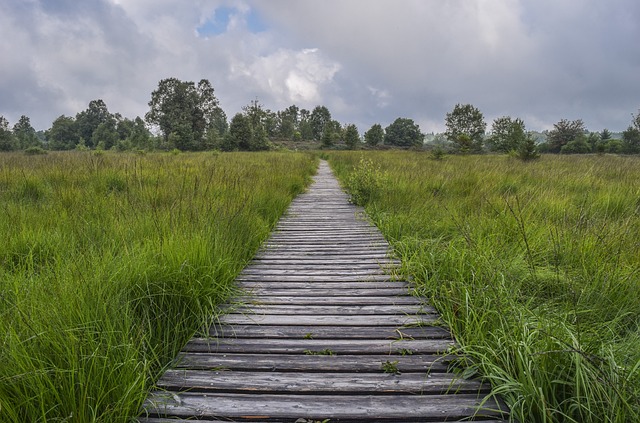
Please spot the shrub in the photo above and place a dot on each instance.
(527, 150)
(577, 146)
(34, 151)
(438, 153)
(365, 182)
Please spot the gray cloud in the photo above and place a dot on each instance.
(368, 61)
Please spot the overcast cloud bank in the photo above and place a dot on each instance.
(367, 61)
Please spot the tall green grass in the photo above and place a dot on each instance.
(534, 266)
(110, 262)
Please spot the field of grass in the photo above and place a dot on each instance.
(534, 266)
(110, 262)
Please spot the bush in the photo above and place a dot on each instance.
(34, 151)
(577, 146)
(614, 146)
(527, 149)
(438, 153)
(365, 182)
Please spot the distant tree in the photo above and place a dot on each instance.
(328, 136)
(465, 128)
(135, 133)
(63, 134)
(593, 139)
(304, 125)
(564, 132)
(605, 134)
(631, 136)
(578, 145)
(105, 135)
(240, 133)
(506, 134)
(318, 119)
(612, 146)
(337, 131)
(527, 150)
(270, 123)
(88, 121)
(258, 118)
(287, 122)
(631, 141)
(351, 136)
(403, 132)
(7, 140)
(254, 112)
(375, 135)
(184, 112)
(24, 134)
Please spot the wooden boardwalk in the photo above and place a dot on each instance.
(324, 332)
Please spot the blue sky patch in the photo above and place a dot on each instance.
(218, 23)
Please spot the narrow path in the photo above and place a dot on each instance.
(324, 332)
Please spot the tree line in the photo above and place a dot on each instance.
(188, 117)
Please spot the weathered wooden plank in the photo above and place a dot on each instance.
(173, 420)
(330, 226)
(327, 292)
(336, 310)
(318, 278)
(328, 332)
(263, 267)
(312, 320)
(319, 383)
(368, 408)
(424, 363)
(302, 260)
(336, 285)
(355, 300)
(365, 240)
(326, 254)
(297, 236)
(344, 271)
(328, 244)
(335, 252)
(319, 346)
(381, 256)
(327, 231)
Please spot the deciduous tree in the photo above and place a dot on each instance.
(63, 134)
(351, 136)
(24, 133)
(506, 134)
(631, 136)
(465, 128)
(375, 135)
(403, 132)
(184, 112)
(90, 119)
(327, 135)
(287, 122)
(7, 141)
(318, 119)
(564, 132)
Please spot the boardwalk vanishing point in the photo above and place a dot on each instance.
(323, 333)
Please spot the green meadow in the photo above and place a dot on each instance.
(534, 266)
(110, 262)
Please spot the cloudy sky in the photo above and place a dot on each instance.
(368, 61)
